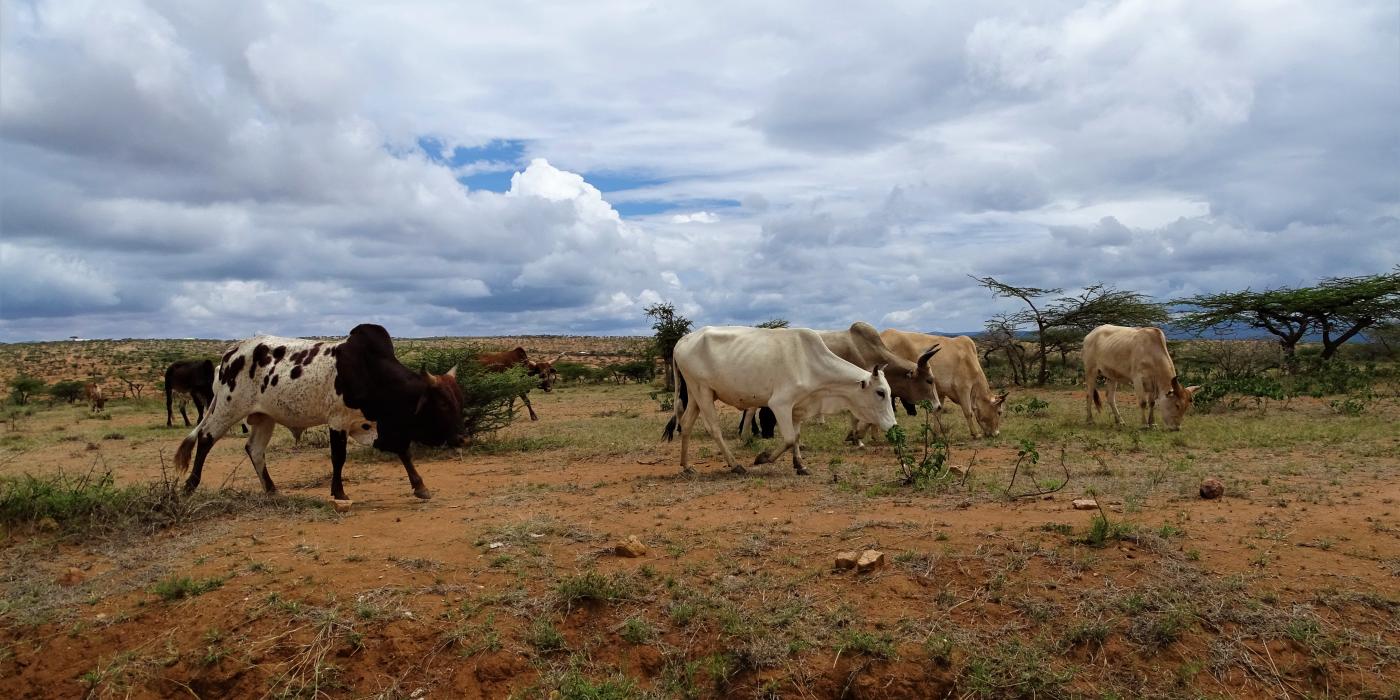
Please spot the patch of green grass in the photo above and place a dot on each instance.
(1101, 531)
(1015, 669)
(180, 587)
(576, 686)
(880, 646)
(637, 630)
(545, 637)
(593, 586)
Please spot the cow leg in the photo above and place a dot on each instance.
(1141, 392)
(526, 399)
(705, 397)
(685, 425)
(199, 408)
(783, 412)
(256, 447)
(1091, 382)
(337, 464)
(184, 415)
(170, 415)
(797, 465)
(745, 418)
(414, 480)
(207, 435)
(1110, 390)
(857, 430)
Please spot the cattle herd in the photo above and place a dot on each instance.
(778, 376)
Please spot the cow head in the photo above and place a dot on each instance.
(989, 413)
(873, 405)
(1174, 404)
(922, 384)
(438, 415)
(545, 371)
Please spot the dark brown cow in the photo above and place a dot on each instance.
(356, 387)
(504, 361)
(194, 378)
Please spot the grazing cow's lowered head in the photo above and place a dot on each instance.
(1175, 403)
(438, 413)
(989, 413)
(545, 371)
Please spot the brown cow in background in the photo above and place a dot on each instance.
(504, 361)
(96, 399)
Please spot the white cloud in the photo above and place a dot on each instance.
(259, 163)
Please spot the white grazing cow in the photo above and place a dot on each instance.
(789, 370)
(1138, 356)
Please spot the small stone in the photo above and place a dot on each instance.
(847, 560)
(72, 577)
(870, 560)
(1212, 488)
(342, 505)
(495, 545)
(632, 547)
(1085, 504)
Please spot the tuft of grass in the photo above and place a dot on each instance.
(856, 641)
(545, 637)
(593, 586)
(576, 686)
(180, 587)
(1015, 669)
(1101, 532)
(637, 630)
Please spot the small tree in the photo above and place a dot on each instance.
(68, 390)
(1001, 336)
(23, 387)
(670, 327)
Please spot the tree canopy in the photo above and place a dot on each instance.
(1337, 308)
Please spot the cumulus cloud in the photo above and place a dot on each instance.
(175, 169)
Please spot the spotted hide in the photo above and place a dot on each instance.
(356, 387)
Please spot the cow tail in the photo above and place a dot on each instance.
(678, 406)
(1098, 405)
(182, 453)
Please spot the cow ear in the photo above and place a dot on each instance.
(1001, 399)
(878, 369)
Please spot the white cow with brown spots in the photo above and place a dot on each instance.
(1136, 356)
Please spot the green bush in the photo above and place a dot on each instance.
(68, 390)
(24, 387)
(579, 372)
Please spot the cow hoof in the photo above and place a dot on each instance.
(190, 487)
(423, 493)
(801, 471)
(534, 417)
(687, 471)
(739, 469)
(762, 458)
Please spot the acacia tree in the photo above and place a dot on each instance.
(773, 323)
(1062, 323)
(1337, 307)
(670, 327)
(1000, 336)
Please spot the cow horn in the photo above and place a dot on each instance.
(878, 369)
(928, 354)
(451, 372)
(422, 399)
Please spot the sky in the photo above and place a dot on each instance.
(179, 168)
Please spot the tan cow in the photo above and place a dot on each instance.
(959, 376)
(1138, 356)
(96, 399)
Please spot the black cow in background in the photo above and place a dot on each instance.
(194, 378)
